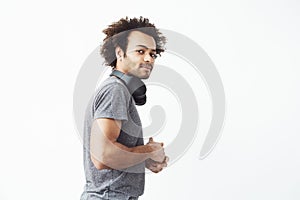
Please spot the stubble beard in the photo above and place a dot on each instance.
(139, 73)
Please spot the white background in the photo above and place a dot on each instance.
(254, 45)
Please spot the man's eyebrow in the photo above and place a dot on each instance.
(145, 47)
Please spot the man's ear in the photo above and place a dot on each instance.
(119, 52)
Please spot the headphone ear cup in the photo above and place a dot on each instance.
(135, 86)
(139, 95)
(140, 100)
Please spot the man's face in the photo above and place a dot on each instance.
(140, 55)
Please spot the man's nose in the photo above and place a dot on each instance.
(148, 58)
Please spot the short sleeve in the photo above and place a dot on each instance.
(112, 102)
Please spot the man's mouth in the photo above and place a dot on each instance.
(147, 66)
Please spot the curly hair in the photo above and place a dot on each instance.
(117, 35)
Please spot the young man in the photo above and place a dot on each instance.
(115, 155)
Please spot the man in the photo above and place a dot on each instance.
(115, 155)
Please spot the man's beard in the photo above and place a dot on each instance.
(139, 72)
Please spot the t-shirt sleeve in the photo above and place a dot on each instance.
(112, 102)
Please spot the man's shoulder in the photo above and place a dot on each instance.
(110, 83)
(110, 99)
(112, 86)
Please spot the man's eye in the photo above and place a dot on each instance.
(140, 51)
(153, 55)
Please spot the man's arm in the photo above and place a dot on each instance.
(106, 151)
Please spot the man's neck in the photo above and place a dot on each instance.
(121, 69)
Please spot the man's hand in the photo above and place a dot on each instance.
(157, 150)
(156, 166)
(158, 159)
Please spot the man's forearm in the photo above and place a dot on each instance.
(118, 156)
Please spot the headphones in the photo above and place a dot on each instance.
(136, 87)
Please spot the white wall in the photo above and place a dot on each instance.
(254, 45)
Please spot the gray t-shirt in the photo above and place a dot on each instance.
(113, 100)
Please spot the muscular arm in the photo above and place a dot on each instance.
(106, 151)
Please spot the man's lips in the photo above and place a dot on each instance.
(147, 66)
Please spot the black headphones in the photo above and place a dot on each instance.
(135, 86)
